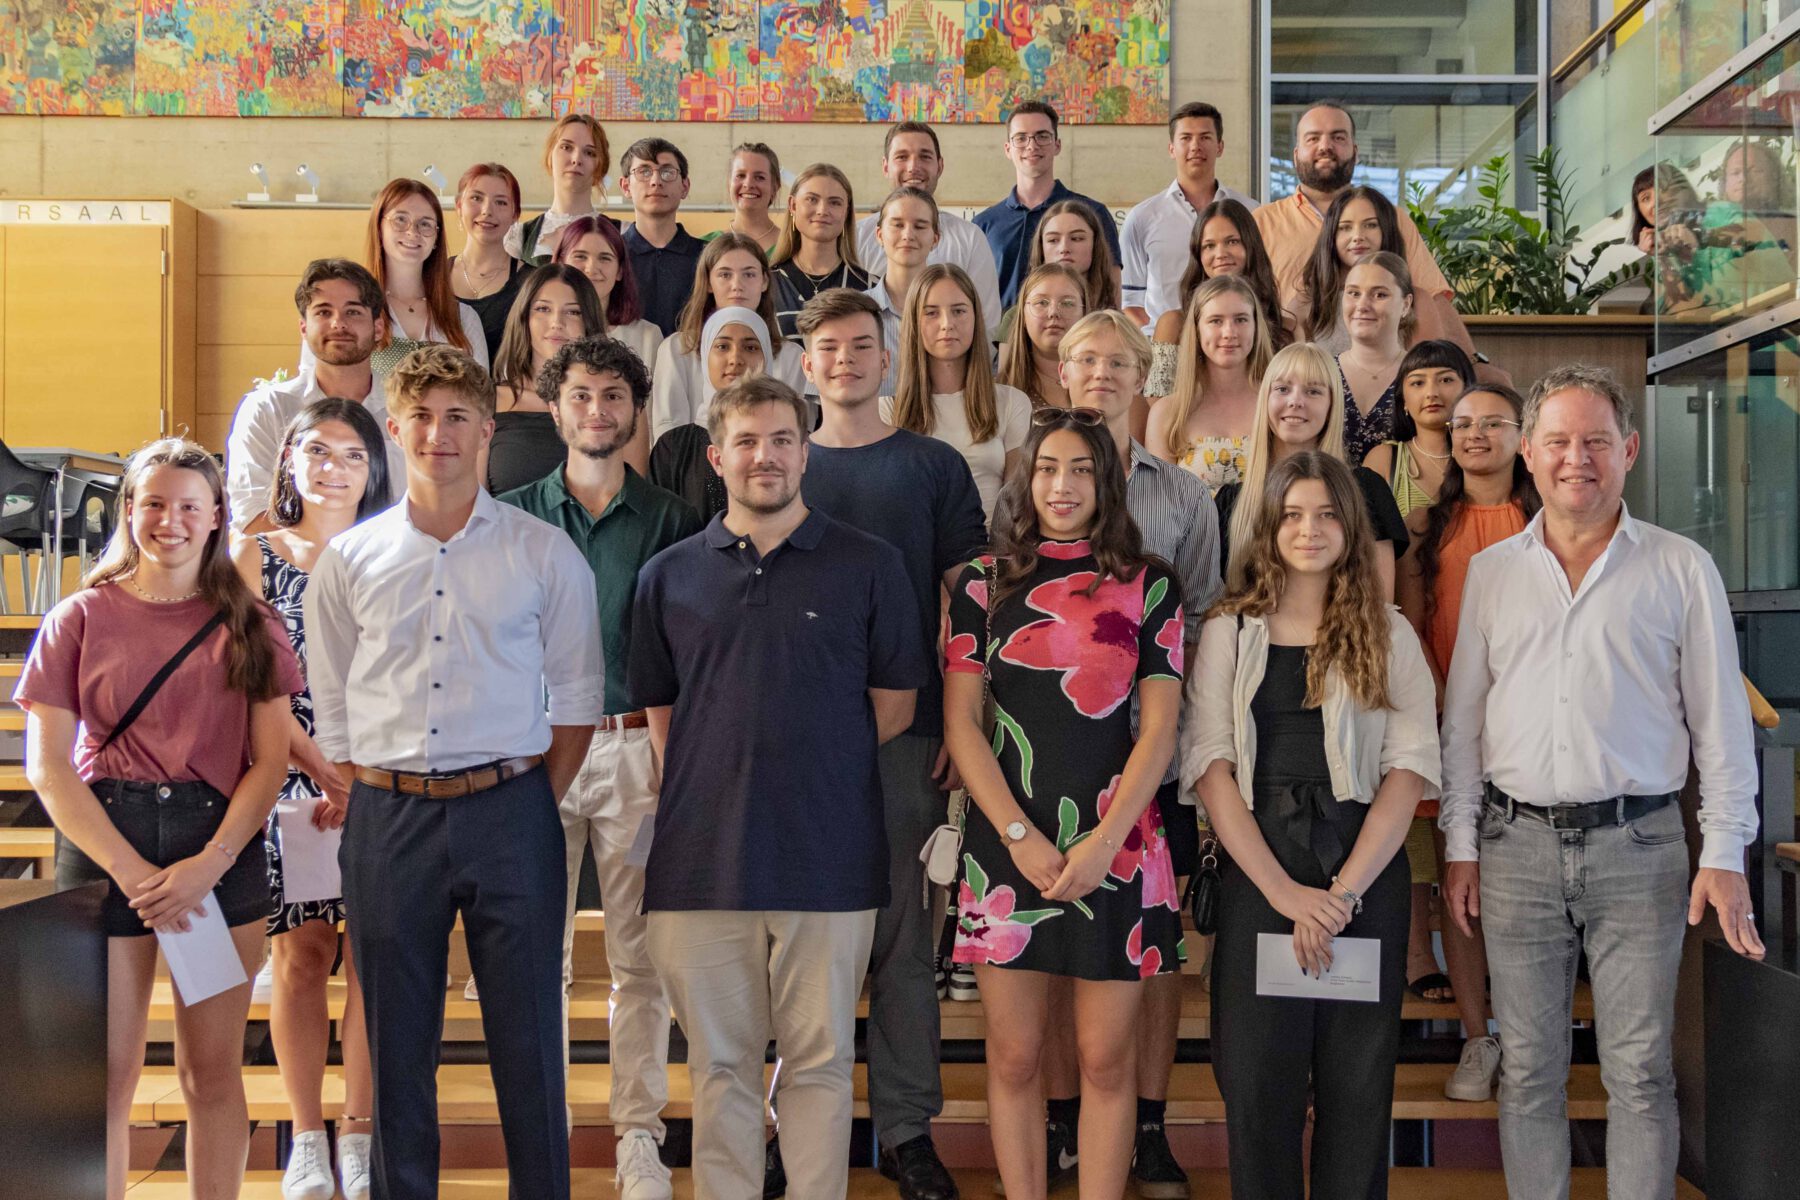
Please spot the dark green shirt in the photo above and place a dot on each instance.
(641, 522)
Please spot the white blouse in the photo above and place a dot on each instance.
(643, 338)
(987, 460)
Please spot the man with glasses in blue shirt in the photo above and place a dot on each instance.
(1032, 145)
(654, 177)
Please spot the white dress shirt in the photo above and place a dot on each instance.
(678, 383)
(1575, 699)
(1154, 245)
(437, 656)
(959, 242)
(260, 423)
(1361, 744)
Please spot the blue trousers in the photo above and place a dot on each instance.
(410, 865)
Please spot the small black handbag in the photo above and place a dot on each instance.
(1203, 889)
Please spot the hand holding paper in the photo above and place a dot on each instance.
(1354, 972)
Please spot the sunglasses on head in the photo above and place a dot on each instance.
(1045, 418)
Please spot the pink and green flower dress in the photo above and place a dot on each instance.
(1064, 666)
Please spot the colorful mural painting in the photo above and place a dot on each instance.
(1100, 61)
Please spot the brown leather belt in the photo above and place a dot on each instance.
(631, 720)
(449, 785)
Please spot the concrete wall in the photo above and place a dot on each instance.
(205, 160)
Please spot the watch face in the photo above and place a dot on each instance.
(1015, 832)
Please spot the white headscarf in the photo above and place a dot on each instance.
(733, 315)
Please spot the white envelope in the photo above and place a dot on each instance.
(309, 855)
(204, 960)
(1354, 974)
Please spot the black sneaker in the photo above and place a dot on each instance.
(1060, 1156)
(1154, 1169)
(774, 1174)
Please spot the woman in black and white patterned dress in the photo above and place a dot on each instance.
(331, 473)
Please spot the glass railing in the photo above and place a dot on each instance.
(1726, 230)
(1599, 112)
(1696, 37)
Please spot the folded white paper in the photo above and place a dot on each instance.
(204, 960)
(309, 855)
(639, 854)
(1354, 973)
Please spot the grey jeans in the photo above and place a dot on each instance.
(1620, 892)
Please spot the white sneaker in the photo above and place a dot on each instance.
(308, 1174)
(962, 982)
(640, 1174)
(262, 988)
(1473, 1079)
(469, 991)
(353, 1164)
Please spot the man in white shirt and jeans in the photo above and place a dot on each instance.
(1594, 652)
(911, 157)
(434, 632)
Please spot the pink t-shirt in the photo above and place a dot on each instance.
(98, 649)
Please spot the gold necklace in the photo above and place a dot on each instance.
(132, 580)
(462, 263)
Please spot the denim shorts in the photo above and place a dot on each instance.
(165, 823)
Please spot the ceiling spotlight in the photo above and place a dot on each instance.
(262, 177)
(311, 196)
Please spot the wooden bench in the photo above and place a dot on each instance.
(466, 1095)
(36, 845)
(596, 1183)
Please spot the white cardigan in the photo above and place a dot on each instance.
(1361, 745)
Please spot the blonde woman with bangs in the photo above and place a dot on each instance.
(1310, 739)
(817, 247)
(946, 385)
(1204, 423)
(1300, 406)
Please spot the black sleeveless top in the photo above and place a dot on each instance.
(493, 307)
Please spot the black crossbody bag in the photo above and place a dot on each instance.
(1202, 897)
(161, 677)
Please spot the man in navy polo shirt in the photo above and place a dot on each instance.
(1032, 145)
(774, 651)
(916, 494)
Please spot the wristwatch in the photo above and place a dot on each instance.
(1015, 832)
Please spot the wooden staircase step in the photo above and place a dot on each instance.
(466, 1095)
(596, 1183)
(38, 844)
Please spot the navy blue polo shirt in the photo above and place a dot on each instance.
(916, 494)
(664, 274)
(1009, 227)
(770, 796)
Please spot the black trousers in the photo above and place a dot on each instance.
(410, 865)
(1267, 1051)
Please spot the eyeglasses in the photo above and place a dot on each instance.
(644, 173)
(1042, 137)
(1487, 425)
(1116, 362)
(1043, 304)
(1046, 417)
(400, 223)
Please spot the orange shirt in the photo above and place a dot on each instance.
(1290, 227)
(1477, 526)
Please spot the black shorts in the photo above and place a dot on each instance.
(165, 823)
(1181, 827)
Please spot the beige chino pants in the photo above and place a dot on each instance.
(736, 979)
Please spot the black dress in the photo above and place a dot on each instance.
(493, 307)
(1365, 431)
(678, 464)
(1065, 667)
(1384, 514)
(524, 450)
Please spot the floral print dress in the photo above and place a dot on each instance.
(1064, 667)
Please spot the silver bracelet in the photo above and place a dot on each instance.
(1350, 896)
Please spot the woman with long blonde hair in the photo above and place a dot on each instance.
(1311, 737)
(946, 386)
(1206, 419)
(817, 247)
(157, 736)
(1300, 406)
